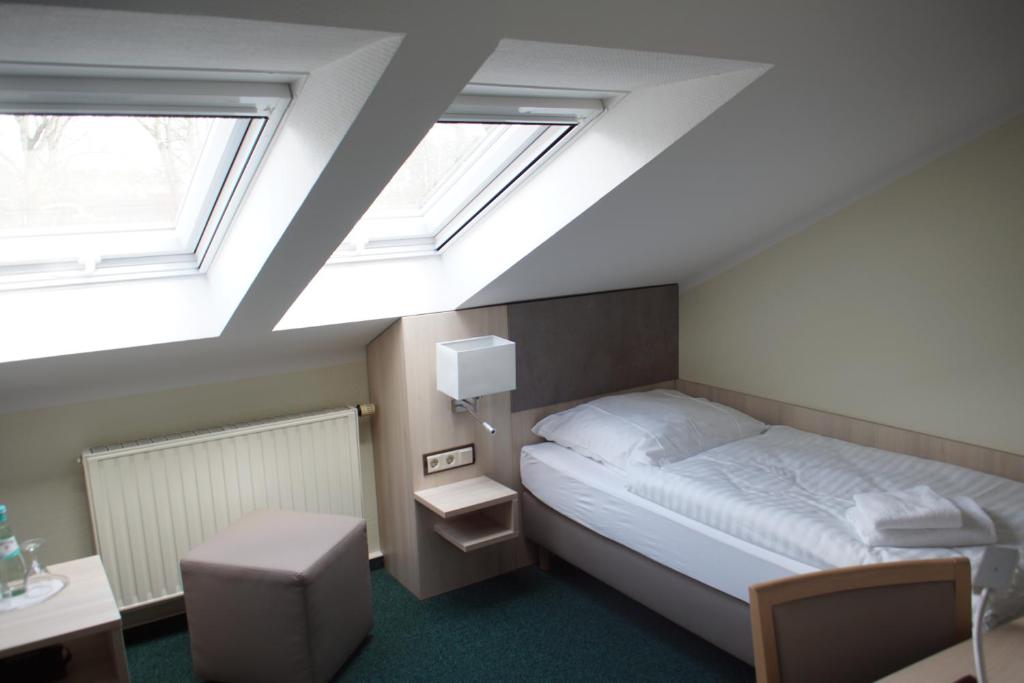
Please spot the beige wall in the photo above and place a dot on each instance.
(906, 308)
(42, 484)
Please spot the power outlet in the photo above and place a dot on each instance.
(447, 460)
(996, 567)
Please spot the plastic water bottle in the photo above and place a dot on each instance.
(12, 564)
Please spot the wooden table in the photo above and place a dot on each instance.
(474, 513)
(83, 618)
(1004, 659)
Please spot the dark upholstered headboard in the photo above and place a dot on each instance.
(580, 346)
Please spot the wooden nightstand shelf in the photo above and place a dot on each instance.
(474, 513)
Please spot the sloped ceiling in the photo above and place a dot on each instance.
(653, 100)
(859, 93)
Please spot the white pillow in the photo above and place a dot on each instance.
(647, 428)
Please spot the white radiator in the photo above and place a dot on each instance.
(152, 500)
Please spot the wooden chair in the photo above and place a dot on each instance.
(858, 623)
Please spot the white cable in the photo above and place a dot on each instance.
(979, 658)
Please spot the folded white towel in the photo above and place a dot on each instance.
(916, 508)
(977, 529)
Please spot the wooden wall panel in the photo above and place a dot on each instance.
(386, 373)
(433, 427)
(574, 347)
(426, 563)
(864, 432)
(581, 346)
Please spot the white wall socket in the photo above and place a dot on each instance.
(439, 462)
(996, 567)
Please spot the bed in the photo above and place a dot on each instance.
(688, 539)
(580, 511)
(597, 498)
(573, 349)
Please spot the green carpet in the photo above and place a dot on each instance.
(528, 625)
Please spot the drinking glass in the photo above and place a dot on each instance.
(31, 549)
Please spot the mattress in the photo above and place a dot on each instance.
(596, 497)
(788, 491)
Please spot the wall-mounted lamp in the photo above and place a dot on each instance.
(470, 368)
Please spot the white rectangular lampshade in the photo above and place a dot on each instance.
(467, 368)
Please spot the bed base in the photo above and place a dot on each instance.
(711, 614)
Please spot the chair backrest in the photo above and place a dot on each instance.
(858, 623)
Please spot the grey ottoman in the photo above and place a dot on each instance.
(278, 596)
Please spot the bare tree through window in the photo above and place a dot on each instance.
(85, 173)
(179, 143)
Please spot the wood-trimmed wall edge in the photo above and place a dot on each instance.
(863, 432)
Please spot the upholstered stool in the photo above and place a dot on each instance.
(278, 596)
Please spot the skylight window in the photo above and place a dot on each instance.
(118, 189)
(468, 160)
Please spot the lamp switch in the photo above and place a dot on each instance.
(996, 567)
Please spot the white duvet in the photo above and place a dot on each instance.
(788, 491)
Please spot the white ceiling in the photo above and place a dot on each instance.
(859, 93)
(133, 41)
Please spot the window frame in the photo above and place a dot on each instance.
(570, 114)
(260, 106)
